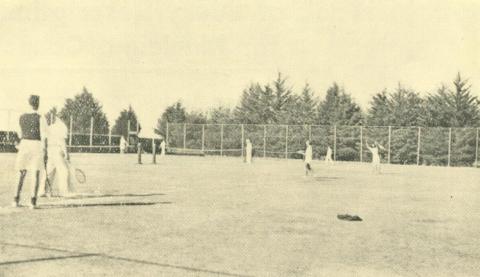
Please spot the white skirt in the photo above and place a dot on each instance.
(30, 156)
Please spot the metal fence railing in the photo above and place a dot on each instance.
(403, 145)
(78, 140)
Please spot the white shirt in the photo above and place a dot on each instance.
(57, 133)
(308, 154)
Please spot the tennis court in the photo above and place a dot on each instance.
(214, 216)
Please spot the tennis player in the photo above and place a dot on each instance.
(328, 157)
(308, 158)
(123, 145)
(31, 150)
(248, 151)
(375, 156)
(162, 148)
(58, 168)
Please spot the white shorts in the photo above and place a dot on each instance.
(30, 156)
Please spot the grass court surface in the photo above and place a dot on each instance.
(212, 216)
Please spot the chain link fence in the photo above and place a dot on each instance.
(78, 141)
(401, 145)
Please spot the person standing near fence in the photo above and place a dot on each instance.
(248, 151)
(308, 158)
(162, 148)
(31, 150)
(328, 156)
(375, 156)
(123, 145)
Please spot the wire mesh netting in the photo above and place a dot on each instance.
(397, 145)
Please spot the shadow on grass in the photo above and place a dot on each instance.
(87, 205)
(83, 196)
(326, 178)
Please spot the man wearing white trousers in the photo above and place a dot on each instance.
(58, 169)
(31, 150)
(248, 151)
(308, 158)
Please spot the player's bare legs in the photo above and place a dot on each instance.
(21, 179)
(35, 190)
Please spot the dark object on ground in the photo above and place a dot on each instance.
(348, 217)
(185, 152)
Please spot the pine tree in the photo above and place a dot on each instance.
(121, 123)
(338, 108)
(175, 113)
(306, 107)
(82, 108)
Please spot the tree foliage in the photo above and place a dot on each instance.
(121, 123)
(82, 108)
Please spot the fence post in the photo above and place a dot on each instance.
(8, 125)
(203, 137)
(334, 142)
(139, 152)
(71, 130)
(91, 131)
(184, 136)
(449, 145)
(243, 139)
(221, 140)
(389, 141)
(264, 141)
(476, 150)
(361, 143)
(109, 136)
(286, 141)
(418, 145)
(166, 137)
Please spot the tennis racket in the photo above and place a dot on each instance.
(80, 176)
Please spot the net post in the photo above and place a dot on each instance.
(128, 132)
(166, 137)
(203, 137)
(91, 131)
(154, 151)
(264, 141)
(184, 136)
(389, 141)
(418, 144)
(243, 139)
(286, 141)
(139, 152)
(71, 131)
(476, 149)
(449, 145)
(334, 142)
(361, 143)
(221, 140)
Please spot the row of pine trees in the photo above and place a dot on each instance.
(450, 105)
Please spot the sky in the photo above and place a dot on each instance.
(149, 53)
